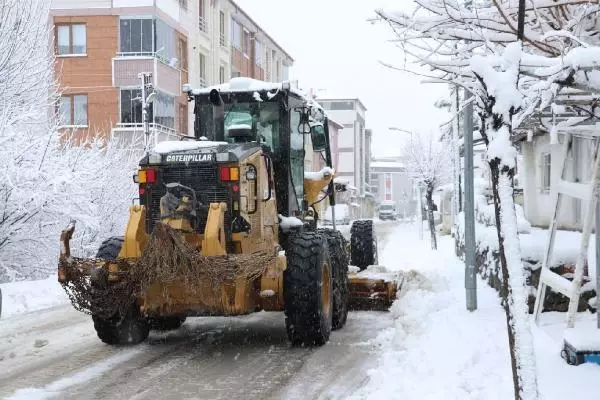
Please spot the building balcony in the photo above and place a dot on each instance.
(127, 66)
(132, 135)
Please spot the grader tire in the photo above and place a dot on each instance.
(339, 269)
(363, 244)
(307, 290)
(130, 328)
(166, 323)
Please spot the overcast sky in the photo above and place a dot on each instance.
(335, 48)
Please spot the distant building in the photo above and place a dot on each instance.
(391, 183)
(351, 146)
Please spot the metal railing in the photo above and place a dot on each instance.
(140, 126)
(222, 40)
(202, 82)
(203, 24)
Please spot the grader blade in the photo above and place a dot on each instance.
(373, 289)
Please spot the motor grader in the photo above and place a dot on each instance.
(227, 225)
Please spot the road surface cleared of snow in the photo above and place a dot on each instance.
(54, 353)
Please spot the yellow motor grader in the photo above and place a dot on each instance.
(226, 225)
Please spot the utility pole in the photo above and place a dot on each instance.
(455, 159)
(470, 270)
(146, 78)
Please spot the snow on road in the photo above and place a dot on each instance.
(436, 349)
(427, 347)
(27, 296)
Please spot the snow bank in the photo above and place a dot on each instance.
(320, 175)
(183, 145)
(27, 296)
(436, 349)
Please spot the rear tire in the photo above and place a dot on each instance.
(308, 293)
(130, 328)
(166, 323)
(338, 257)
(363, 244)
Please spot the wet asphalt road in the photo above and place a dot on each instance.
(55, 353)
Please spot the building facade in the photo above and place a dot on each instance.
(103, 45)
(352, 151)
(390, 182)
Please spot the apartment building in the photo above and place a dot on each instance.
(352, 150)
(102, 46)
(390, 182)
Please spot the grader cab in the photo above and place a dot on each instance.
(227, 225)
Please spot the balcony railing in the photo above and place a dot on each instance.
(131, 135)
(203, 24)
(202, 83)
(222, 40)
(127, 66)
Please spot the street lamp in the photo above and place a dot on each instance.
(419, 196)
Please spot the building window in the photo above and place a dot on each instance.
(73, 110)
(202, 67)
(258, 52)
(342, 105)
(131, 106)
(222, 28)
(165, 41)
(136, 36)
(202, 16)
(236, 35)
(246, 43)
(71, 39)
(546, 171)
(164, 110)
(286, 73)
(221, 74)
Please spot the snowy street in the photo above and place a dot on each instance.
(427, 347)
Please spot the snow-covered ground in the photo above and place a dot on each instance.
(27, 296)
(438, 350)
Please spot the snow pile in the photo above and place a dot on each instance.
(27, 296)
(436, 349)
(170, 146)
(326, 172)
(287, 223)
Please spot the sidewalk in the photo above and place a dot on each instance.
(439, 350)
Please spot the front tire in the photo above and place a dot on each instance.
(128, 328)
(363, 244)
(338, 257)
(166, 323)
(308, 293)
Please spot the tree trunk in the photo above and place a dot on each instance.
(429, 198)
(514, 289)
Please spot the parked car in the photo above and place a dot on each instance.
(387, 210)
(342, 215)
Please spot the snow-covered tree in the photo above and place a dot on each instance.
(428, 164)
(474, 45)
(45, 180)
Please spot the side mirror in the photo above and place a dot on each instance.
(318, 137)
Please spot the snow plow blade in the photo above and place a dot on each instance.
(373, 289)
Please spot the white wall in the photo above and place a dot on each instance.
(538, 204)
